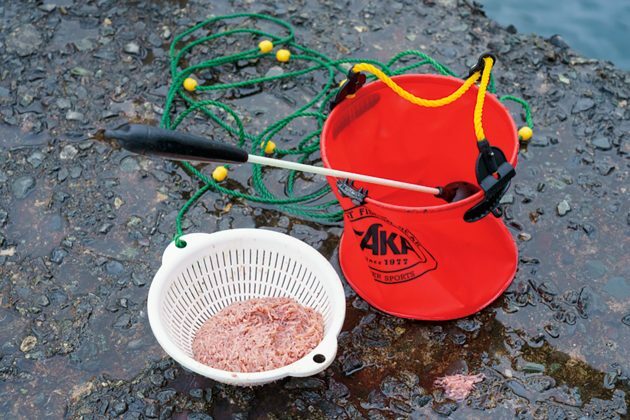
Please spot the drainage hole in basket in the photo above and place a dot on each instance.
(319, 358)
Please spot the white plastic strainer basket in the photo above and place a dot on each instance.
(215, 270)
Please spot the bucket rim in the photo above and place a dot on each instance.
(401, 79)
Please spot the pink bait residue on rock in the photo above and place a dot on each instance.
(458, 387)
(257, 335)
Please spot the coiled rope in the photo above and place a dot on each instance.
(317, 204)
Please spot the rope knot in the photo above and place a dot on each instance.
(484, 59)
(179, 243)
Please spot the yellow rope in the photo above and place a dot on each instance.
(429, 103)
(434, 103)
(481, 95)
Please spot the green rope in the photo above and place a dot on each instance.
(528, 112)
(304, 61)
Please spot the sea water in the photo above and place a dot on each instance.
(595, 28)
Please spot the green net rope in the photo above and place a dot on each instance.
(313, 205)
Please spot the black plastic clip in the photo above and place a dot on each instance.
(347, 189)
(481, 64)
(353, 83)
(494, 173)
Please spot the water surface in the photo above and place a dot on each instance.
(595, 28)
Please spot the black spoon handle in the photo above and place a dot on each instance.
(176, 145)
(154, 141)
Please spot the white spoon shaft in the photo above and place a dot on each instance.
(261, 160)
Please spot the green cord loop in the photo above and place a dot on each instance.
(526, 108)
(305, 61)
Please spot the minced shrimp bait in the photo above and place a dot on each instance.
(256, 335)
(458, 387)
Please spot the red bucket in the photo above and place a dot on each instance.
(411, 254)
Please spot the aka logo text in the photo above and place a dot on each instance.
(381, 242)
(392, 253)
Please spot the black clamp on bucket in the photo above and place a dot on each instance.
(346, 188)
(353, 82)
(494, 173)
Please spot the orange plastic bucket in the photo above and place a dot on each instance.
(411, 254)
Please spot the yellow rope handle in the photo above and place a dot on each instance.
(434, 103)
(429, 103)
(481, 95)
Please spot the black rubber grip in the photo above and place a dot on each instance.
(154, 141)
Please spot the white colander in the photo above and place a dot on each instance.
(215, 270)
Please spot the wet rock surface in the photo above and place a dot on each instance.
(82, 227)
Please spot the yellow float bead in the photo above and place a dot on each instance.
(283, 56)
(190, 84)
(525, 133)
(220, 173)
(270, 147)
(265, 46)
